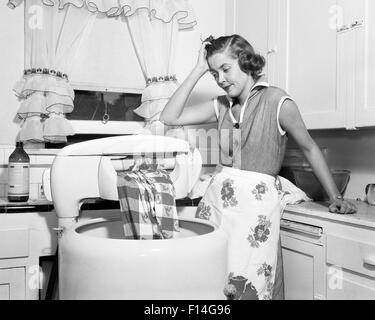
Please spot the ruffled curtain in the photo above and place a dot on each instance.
(155, 45)
(164, 10)
(52, 37)
(153, 25)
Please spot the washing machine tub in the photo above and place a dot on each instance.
(96, 262)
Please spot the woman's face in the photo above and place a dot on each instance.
(227, 73)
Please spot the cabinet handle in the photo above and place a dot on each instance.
(343, 28)
(357, 24)
(370, 260)
(300, 227)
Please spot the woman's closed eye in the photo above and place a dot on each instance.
(214, 74)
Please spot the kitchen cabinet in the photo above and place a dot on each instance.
(303, 264)
(250, 23)
(321, 52)
(340, 264)
(365, 64)
(12, 284)
(355, 276)
(24, 238)
(312, 60)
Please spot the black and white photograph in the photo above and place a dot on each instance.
(183, 154)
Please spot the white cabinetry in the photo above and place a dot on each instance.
(321, 52)
(303, 264)
(312, 58)
(14, 260)
(340, 264)
(24, 238)
(12, 284)
(352, 269)
(250, 23)
(365, 64)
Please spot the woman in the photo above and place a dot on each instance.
(244, 195)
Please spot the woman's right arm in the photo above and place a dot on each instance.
(175, 113)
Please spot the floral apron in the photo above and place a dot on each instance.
(246, 205)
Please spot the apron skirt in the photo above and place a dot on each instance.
(246, 205)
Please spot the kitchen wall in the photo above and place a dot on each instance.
(352, 150)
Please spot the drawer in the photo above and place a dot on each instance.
(14, 243)
(352, 255)
(345, 285)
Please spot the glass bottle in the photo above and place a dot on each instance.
(18, 174)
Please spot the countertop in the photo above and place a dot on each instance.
(29, 206)
(4, 202)
(365, 215)
(90, 204)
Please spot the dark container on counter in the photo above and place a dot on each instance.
(18, 174)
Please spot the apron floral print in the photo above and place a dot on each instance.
(251, 221)
(227, 194)
(260, 233)
(259, 190)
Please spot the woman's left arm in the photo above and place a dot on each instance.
(291, 122)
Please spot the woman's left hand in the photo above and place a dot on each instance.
(342, 206)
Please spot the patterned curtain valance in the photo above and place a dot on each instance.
(165, 10)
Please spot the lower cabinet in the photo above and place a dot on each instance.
(350, 269)
(303, 264)
(12, 284)
(346, 285)
(337, 263)
(24, 238)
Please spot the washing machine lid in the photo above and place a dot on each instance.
(129, 144)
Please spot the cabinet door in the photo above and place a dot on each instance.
(306, 63)
(12, 284)
(251, 22)
(303, 264)
(365, 107)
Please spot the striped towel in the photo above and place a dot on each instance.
(147, 201)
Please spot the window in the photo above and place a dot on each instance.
(105, 112)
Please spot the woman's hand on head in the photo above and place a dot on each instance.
(342, 206)
(202, 64)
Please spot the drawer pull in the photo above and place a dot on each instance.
(300, 227)
(370, 260)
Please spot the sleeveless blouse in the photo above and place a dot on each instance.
(259, 143)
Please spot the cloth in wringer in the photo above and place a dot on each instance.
(147, 203)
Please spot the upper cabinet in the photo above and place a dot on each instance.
(250, 21)
(307, 60)
(365, 64)
(321, 52)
